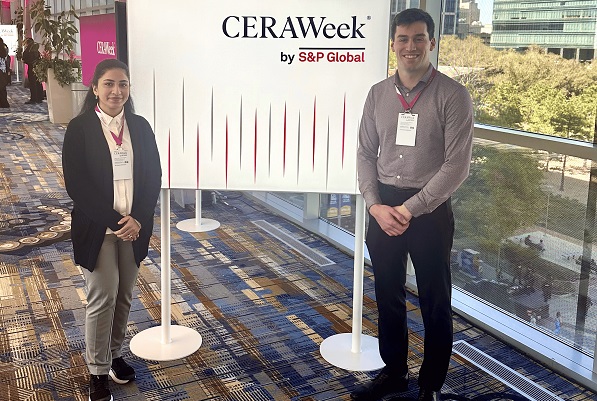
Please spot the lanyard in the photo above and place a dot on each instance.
(408, 106)
(117, 139)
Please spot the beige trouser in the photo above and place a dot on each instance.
(109, 294)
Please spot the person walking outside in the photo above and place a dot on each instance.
(415, 151)
(112, 173)
(557, 324)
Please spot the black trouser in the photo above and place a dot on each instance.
(3, 96)
(35, 87)
(428, 240)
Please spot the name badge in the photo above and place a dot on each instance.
(406, 132)
(121, 165)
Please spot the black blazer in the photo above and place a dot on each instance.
(87, 167)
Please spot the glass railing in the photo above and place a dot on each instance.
(524, 259)
(523, 240)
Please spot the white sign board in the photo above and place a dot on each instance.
(10, 36)
(257, 94)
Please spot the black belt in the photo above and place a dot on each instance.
(398, 190)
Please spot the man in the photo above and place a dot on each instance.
(415, 150)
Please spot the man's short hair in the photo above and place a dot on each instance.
(411, 15)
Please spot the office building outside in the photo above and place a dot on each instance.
(449, 15)
(567, 28)
(469, 19)
(399, 5)
(449, 19)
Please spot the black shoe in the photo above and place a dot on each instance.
(29, 102)
(384, 384)
(429, 395)
(121, 372)
(98, 388)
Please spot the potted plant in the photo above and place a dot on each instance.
(58, 67)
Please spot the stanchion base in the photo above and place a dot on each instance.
(148, 343)
(337, 351)
(191, 226)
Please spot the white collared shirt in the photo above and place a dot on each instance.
(123, 189)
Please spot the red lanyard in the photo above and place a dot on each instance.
(117, 139)
(408, 106)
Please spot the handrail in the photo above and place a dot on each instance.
(553, 144)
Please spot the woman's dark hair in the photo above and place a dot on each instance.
(3, 49)
(103, 67)
(412, 15)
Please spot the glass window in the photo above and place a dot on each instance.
(525, 73)
(520, 238)
(449, 26)
(450, 6)
(399, 5)
(339, 210)
(294, 198)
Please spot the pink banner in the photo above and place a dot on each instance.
(98, 42)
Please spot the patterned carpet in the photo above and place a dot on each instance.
(262, 307)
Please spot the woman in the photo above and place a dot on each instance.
(31, 57)
(112, 173)
(4, 74)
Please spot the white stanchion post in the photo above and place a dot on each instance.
(17, 70)
(358, 273)
(355, 351)
(165, 342)
(166, 275)
(198, 224)
(198, 207)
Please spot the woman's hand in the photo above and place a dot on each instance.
(130, 229)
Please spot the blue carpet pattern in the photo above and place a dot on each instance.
(261, 307)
